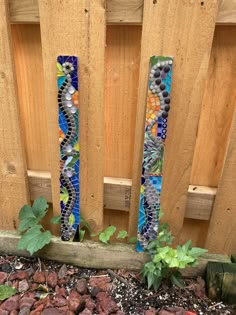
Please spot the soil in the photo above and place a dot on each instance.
(49, 288)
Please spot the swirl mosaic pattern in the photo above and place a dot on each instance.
(157, 108)
(67, 81)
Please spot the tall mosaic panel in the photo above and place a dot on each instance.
(68, 108)
(157, 110)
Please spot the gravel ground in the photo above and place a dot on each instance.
(49, 288)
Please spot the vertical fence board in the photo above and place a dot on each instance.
(13, 177)
(184, 30)
(122, 68)
(218, 101)
(222, 230)
(29, 75)
(77, 28)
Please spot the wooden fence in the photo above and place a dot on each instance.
(114, 40)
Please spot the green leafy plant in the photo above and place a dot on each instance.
(34, 236)
(166, 261)
(6, 292)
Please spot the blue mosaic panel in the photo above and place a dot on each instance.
(157, 109)
(68, 107)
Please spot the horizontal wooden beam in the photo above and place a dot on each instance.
(118, 11)
(96, 255)
(200, 202)
(117, 194)
(116, 190)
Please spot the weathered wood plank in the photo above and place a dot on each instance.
(221, 236)
(96, 255)
(219, 91)
(13, 177)
(177, 32)
(200, 202)
(118, 11)
(82, 35)
(117, 194)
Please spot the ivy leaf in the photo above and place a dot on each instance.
(6, 291)
(34, 239)
(81, 235)
(105, 236)
(56, 219)
(39, 207)
(196, 251)
(122, 234)
(133, 240)
(27, 218)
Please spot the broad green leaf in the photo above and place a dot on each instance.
(187, 245)
(34, 239)
(157, 283)
(104, 238)
(177, 281)
(173, 263)
(150, 279)
(56, 219)
(81, 235)
(26, 212)
(122, 234)
(196, 251)
(110, 230)
(132, 240)
(6, 291)
(39, 207)
(64, 195)
(28, 223)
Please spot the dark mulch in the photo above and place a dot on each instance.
(49, 288)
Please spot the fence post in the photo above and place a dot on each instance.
(221, 236)
(13, 178)
(184, 30)
(77, 28)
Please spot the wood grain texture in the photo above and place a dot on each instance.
(96, 255)
(217, 109)
(180, 27)
(200, 202)
(126, 12)
(30, 83)
(222, 229)
(118, 11)
(227, 12)
(122, 68)
(77, 29)
(13, 179)
(117, 193)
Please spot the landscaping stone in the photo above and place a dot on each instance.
(23, 286)
(81, 286)
(26, 302)
(102, 282)
(11, 304)
(86, 312)
(53, 311)
(24, 311)
(39, 277)
(105, 303)
(52, 279)
(19, 275)
(3, 312)
(3, 277)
